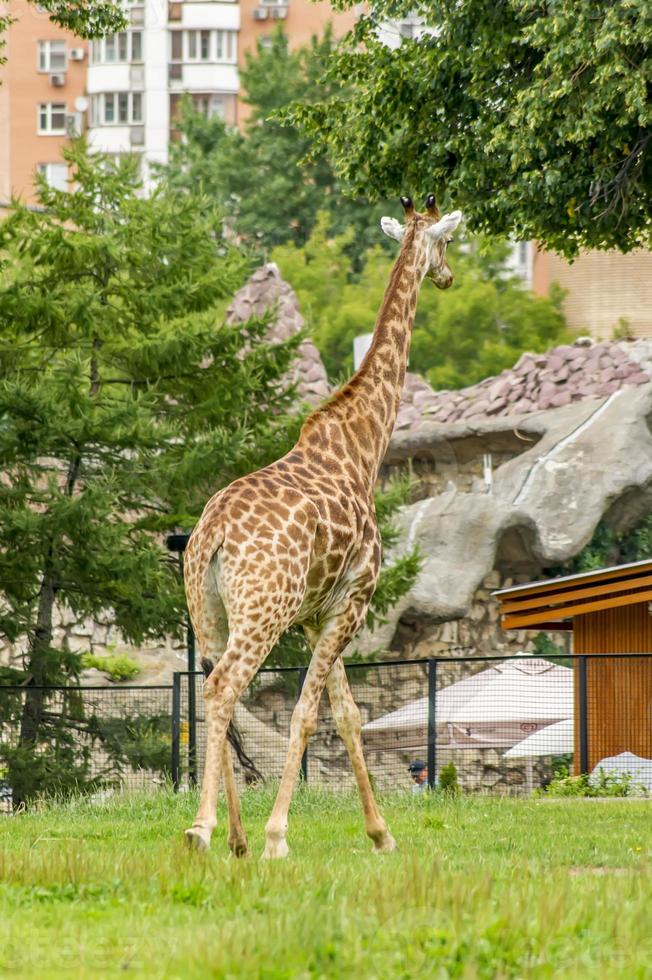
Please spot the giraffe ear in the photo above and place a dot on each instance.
(392, 228)
(446, 226)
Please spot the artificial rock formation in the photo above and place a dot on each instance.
(266, 292)
(565, 375)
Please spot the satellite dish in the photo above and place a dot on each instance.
(81, 103)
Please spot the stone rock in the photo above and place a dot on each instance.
(546, 500)
(265, 290)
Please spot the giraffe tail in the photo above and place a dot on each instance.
(252, 773)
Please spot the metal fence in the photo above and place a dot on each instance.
(505, 723)
(89, 738)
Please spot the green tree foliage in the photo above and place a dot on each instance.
(534, 118)
(125, 401)
(610, 547)
(473, 330)
(258, 176)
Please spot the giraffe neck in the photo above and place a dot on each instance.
(357, 422)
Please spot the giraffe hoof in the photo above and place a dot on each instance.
(197, 839)
(239, 848)
(275, 849)
(385, 845)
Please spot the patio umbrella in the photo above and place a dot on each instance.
(493, 708)
(556, 739)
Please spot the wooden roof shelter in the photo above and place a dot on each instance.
(609, 611)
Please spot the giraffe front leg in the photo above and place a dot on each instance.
(198, 837)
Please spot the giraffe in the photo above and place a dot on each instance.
(297, 542)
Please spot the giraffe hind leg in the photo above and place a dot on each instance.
(227, 682)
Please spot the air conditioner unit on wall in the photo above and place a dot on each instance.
(260, 13)
(58, 79)
(279, 13)
(137, 134)
(77, 54)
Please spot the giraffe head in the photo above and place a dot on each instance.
(430, 235)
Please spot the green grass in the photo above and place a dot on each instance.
(479, 888)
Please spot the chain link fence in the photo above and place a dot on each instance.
(506, 724)
(83, 739)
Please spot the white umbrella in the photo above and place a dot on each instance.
(495, 707)
(554, 739)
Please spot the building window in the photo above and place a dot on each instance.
(116, 109)
(52, 56)
(52, 119)
(176, 46)
(198, 45)
(56, 174)
(226, 46)
(136, 45)
(209, 105)
(215, 46)
(117, 48)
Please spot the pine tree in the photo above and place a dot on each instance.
(125, 401)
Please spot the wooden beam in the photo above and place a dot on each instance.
(568, 595)
(536, 588)
(516, 621)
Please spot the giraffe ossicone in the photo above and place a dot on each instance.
(298, 543)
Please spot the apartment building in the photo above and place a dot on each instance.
(42, 101)
(301, 19)
(124, 90)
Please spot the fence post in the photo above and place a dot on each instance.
(432, 724)
(176, 730)
(583, 715)
(192, 708)
(304, 759)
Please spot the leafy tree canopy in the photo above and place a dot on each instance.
(477, 328)
(534, 118)
(269, 194)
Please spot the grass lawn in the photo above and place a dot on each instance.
(479, 888)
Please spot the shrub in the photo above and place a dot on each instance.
(120, 668)
(604, 784)
(140, 741)
(448, 780)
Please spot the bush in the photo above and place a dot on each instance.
(120, 668)
(448, 780)
(140, 741)
(604, 784)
